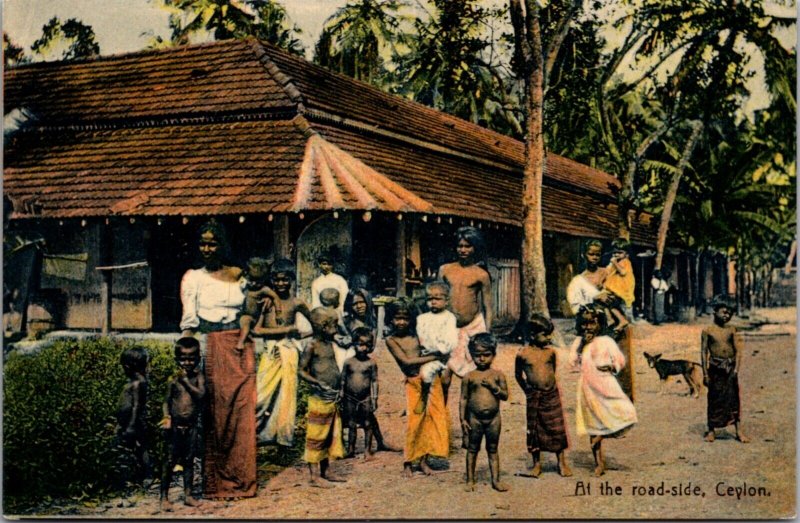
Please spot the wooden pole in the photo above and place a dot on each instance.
(280, 236)
(106, 259)
(400, 275)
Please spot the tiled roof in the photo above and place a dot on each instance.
(150, 133)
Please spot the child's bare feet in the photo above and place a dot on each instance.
(165, 505)
(710, 436)
(469, 487)
(742, 438)
(387, 448)
(369, 456)
(500, 486)
(564, 470)
(191, 501)
(333, 478)
(407, 472)
(536, 471)
(317, 484)
(425, 468)
(599, 470)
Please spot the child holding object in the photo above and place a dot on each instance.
(535, 371)
(603, 409)
(185, 395)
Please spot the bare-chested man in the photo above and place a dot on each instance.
(276, 396)
(470, 299)
(721, 357)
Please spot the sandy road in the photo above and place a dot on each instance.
(700, 480)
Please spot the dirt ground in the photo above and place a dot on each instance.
(665, 448)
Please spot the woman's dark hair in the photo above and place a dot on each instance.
(370, 320)
(218, 230)
(536, 324)
(474, 237)
(402, 304)
(585, 312)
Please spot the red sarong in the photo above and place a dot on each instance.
(546, 429)
(230, 426)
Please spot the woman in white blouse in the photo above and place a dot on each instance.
(212, 297)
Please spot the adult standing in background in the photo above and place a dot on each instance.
(212, 297)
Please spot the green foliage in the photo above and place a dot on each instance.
(59, 418)
(70, 40)
(226, 19)
(358, 38)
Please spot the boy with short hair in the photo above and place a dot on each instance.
(721, 357)
(360, 391)
(182, 407)
(132, 415)
(276, 389)
(324, 429)
(437, 331)
(535, 371)
(327, 280)
(482, 390)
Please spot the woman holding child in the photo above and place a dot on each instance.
(589, 287)
(212, 297)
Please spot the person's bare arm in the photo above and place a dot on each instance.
(519, 373)
(198, 391)
(739, 348)
(374, 386)
(166, 420)
(137, 404)
(303, 365)
(402, 358)
(462, 405)
(498, 386)
(704, 356)
(486, 297)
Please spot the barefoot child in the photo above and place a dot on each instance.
(482, 390)
(427, 433)
(721, 357)
(360, 391)
(185, 394)
(438, 335)
(258, 296)
(132, 418)
(535, 371)
(324, 428)
(603, 409)
(470, 298)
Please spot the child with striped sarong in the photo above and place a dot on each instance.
(324, 428)
(535, 371)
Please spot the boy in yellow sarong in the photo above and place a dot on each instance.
(324, 428)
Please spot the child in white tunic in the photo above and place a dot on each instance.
(437, 331)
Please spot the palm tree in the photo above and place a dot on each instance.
(358, 37)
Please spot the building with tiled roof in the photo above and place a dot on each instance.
(117, 160)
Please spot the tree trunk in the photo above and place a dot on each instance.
(534, 291)
(672, 192)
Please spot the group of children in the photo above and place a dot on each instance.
(343, 378)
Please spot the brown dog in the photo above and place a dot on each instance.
(690, 371)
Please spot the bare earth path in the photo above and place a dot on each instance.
(665, 447)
